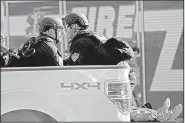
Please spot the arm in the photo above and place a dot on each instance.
(131, 76)
(49, 55)
(77, 55)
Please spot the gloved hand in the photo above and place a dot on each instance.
(65, 58)
(11, 52)
(162, 114)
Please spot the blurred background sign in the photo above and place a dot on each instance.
(110, 18)
(164, 51)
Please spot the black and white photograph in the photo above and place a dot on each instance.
(92, 61)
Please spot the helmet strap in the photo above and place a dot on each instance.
(57, 41)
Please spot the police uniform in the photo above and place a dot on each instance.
(39, 51)
(87, 49)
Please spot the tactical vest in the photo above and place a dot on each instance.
(27, 50)
(97, 41)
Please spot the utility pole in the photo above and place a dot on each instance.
(142, 44)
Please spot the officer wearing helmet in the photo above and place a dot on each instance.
(42, 50)
(87, 47)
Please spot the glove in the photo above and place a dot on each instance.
(122, 46)
(65, 59)
(11, 52)
(164, 114)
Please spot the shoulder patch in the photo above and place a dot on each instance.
(75, 56)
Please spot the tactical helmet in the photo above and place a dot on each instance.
(76, 18)
(50, 22)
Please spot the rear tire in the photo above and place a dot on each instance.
(27, 115)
